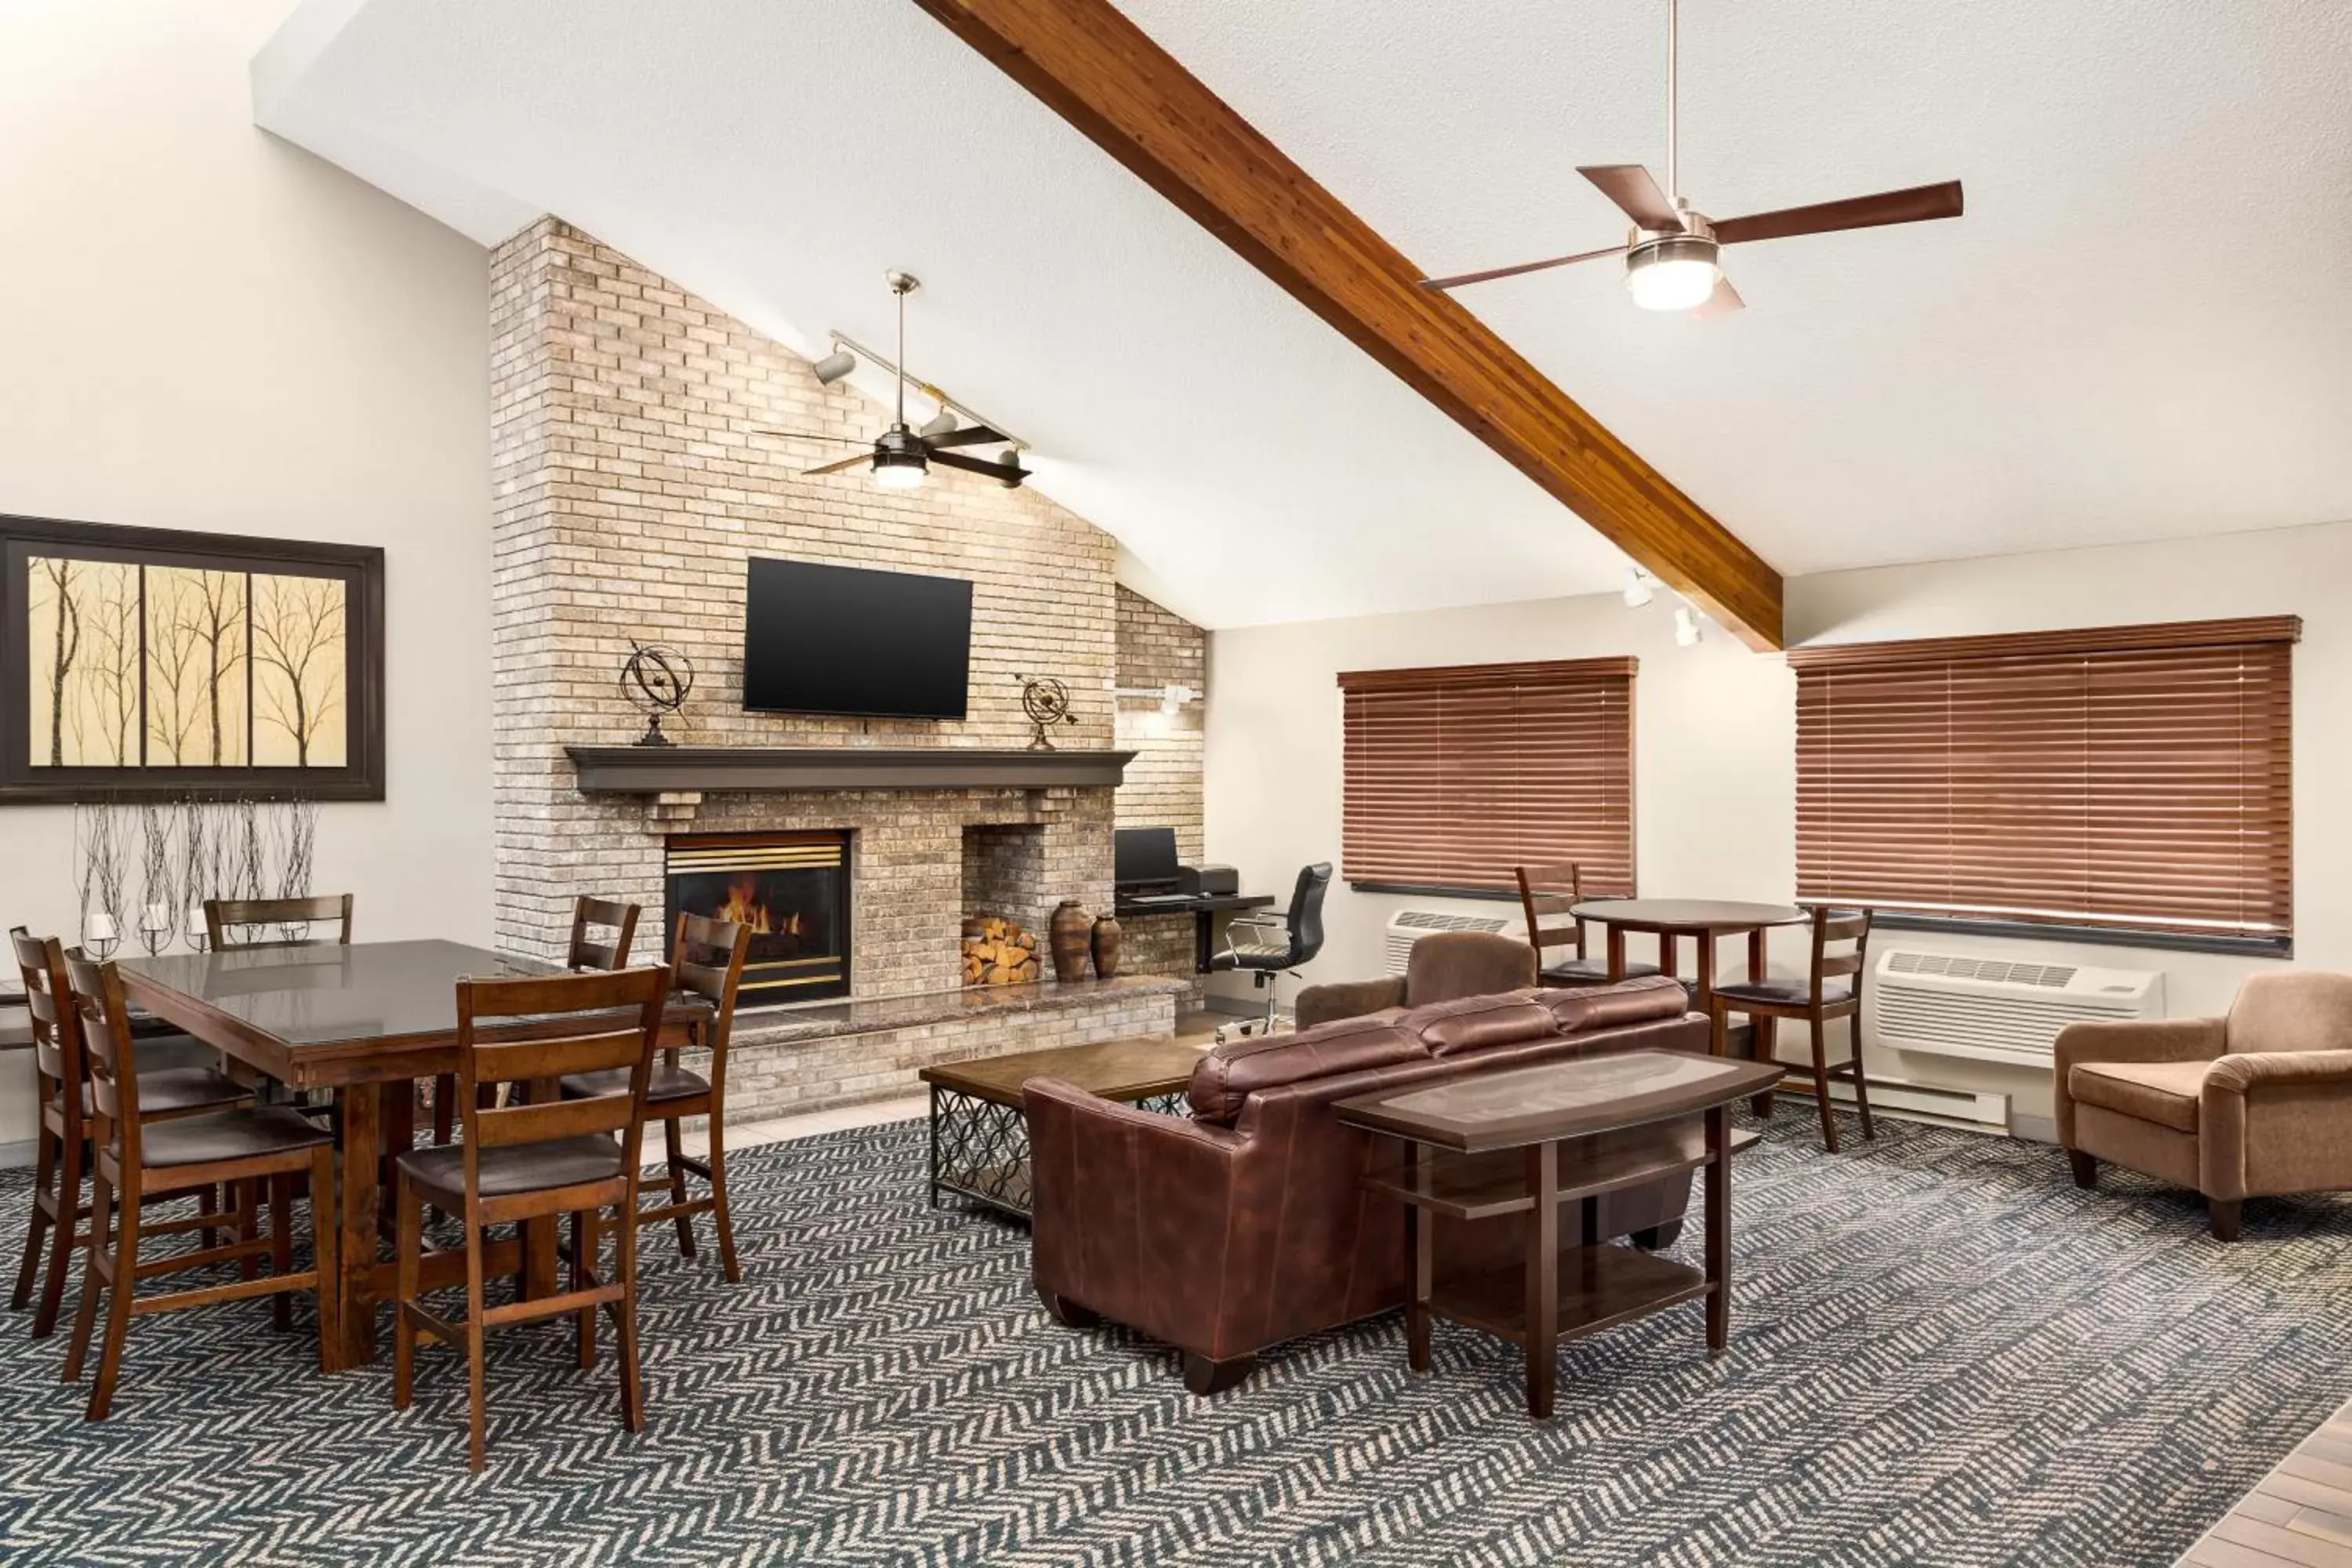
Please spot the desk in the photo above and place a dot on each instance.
(367, 1021)
(1205, 909)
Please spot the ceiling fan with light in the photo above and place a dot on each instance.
(1673, 256)
(900, 457)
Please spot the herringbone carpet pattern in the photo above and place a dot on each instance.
(1943, 1355)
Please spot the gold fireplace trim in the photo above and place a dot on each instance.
(764, 858)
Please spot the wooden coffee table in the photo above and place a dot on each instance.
(980, 1134)
(1531, 1139)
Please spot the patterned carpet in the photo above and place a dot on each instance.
(1942, 1354)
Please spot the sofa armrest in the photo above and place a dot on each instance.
(2127, 1040)
(2267, 1121)
(1130, 1211)
(1347, 999)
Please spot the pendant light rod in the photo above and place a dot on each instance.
(1674, 109)
(902, 284)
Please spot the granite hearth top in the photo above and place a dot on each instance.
(767, 1025)
(665, 770)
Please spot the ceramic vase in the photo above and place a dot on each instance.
(1106, 944)
(1067, 933)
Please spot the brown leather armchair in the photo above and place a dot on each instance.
(2257, 1104)
(1247, 1225)
(1444, 966)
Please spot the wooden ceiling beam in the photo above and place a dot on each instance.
(1103, 74)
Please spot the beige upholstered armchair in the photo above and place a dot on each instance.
(2257, 1104)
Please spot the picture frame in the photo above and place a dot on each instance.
(148, 663)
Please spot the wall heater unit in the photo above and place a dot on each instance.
(1997, 1011)
(1409, 926)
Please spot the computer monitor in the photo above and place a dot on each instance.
(1144, 856)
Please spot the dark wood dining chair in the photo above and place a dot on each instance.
(136, 1159)
(61, 1140)
(1832, 988)
(708, 963)
(588, 916)
(222, 916)
(1547, 894)
(535, 1160)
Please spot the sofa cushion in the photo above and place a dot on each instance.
(1478, 1023)
(2162, 1092)
(1581, 1007)
(1229, 1075)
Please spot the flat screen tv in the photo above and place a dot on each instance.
(839, 639)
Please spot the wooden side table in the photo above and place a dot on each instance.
(1531, 1139)
(980, 1134)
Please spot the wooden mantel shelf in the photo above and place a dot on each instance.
(667, 770)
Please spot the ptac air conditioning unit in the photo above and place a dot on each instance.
(1997, 1011)
(1409, 926)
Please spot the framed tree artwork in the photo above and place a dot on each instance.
(139, 662)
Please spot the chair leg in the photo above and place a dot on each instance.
(1821, 1082)
(324, 1253)
(248, 1206)
(632, 1393)
(2223, 1216)
(445, 1107)
(1763, 1039)
(720, 1219)
(281, 1250)
(673, 1132)
(45, 1180)
(2085, 1168)
(584, 1242)
(1718, 1028)
(209, 1202)
(1861, 1083)
(67, 1200)
(93, 1285)
(476, 1455)
(407, 1251)
(117, 1307)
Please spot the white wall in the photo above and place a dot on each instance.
(1716, 736)
(203, 328)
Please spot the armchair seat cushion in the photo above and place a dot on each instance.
(2163, 1092)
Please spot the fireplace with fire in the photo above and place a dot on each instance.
(791, 889)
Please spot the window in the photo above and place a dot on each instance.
(1456, 776)
(2126, 779)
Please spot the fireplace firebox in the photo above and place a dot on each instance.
(791, 889)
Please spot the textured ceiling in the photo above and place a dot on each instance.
(2141, 329)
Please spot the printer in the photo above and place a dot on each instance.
(1208, 882)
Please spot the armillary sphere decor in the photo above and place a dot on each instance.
(655, 680)
(1047, 702)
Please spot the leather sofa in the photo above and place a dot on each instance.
(2258, 1104)
(1443, 965)
(1246, 1224)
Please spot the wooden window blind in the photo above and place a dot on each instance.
(1456, 776)
(2132, 778)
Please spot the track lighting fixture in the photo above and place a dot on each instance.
(943, 423)
(1640, 587)
(1687, 628)
(834, 365)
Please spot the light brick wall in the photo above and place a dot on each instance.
(630, 487)
(1161, 787)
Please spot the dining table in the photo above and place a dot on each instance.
(1704, 920)
(364, 1021)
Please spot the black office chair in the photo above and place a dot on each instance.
(1282, 944)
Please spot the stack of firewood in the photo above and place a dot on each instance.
(998, 952)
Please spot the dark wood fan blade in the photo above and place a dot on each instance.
(1723, 302)
(865, 457)
(1635, 193)
(1917, 205)
(965, 437)
(1011, 473)
(1491, 273)
(812, 436)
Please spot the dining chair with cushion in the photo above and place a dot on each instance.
(271, 922)
(708, 963)
(1547, 894)
(61, 1140)
(590, 915)
(2257, 1104)
(136, 1159)
(1829, 988)
(535, 1160)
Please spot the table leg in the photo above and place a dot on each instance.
(1756, 956)
(1418, 1250)
(1718, 1229)
(1616, 952)
(1704, 998)
(1542, 1335)
(538, 1248)
(358, 1199)
(934, 1123)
